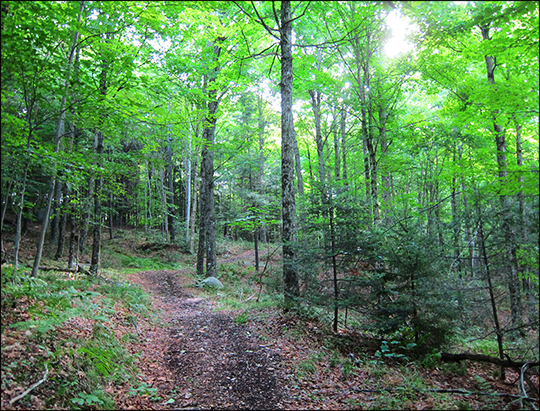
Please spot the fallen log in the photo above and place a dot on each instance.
(79, 269)
(448, 357)
(450, 391)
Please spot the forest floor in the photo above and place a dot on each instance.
(200, 354)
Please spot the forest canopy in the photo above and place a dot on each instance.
(401, 185)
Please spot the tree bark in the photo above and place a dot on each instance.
(207, 167)
(290, 274)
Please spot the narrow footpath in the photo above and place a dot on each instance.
(215, 363)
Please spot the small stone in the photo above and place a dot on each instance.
(211, 282)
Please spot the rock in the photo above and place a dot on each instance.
(211, 282)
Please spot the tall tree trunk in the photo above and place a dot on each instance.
(372, 168)
(58, 136)
(56, 209)
(385, 177)
(298, 165)
(207, 167)
(98, 149)
(87, 213)
(188, 182)
(261, 160)
(96, 225)
(164, 205)
(316, 105)
(343, 132)
(111, 198)
(454, 201)
(61, 229)
(193, 209)
(509, 235)
(202, 233)
(18, 231)
(337, 156)
(288, 138)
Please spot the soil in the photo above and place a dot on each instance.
(218, 363)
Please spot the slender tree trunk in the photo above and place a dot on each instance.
(72, 240)
(316, 105)
(298, 165)
(61, 231)
(111, 236)
(509, 235)
(96, 245)
(337, 156)
(98, 149)
(454, 201)
(87, 213)
(164, 205)
(261, 160)
(6, 199)
(59, 133)
(193, 210)
(343, 132)
(188, 182)
(17, 240)
(385, 177)
(288, 138)
(56, 209)
(202, 233)
(498, 330)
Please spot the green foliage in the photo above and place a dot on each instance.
(53, 299)
(86, 400)
(241, 318)
(146, 263)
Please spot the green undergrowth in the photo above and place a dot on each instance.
(63, 326)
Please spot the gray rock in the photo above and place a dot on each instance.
(211, 282)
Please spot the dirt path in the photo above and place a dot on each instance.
(215, 362)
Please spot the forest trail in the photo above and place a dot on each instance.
(214, 362)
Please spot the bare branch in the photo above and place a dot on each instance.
(24, 394)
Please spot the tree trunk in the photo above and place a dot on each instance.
(164, 205)
(316, 105)
(261, 160)
(207, 167)
(337, 157)
(290, 274)
(202, 233)
(193, 210)
(56, 210)
(96, 245)
(498, 330)
(61, 231)
(87, 213)
(343, 132)
(509, 235)
(111, 236)
(58, 136)
(98, 149)
(298, 165)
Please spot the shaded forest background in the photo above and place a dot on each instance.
(403, 191)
